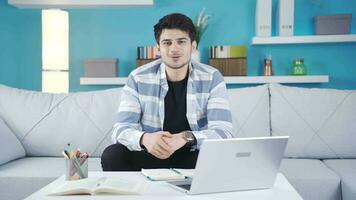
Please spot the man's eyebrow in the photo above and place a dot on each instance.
(184, 38)
(165, 40)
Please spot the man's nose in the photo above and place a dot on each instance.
(174, 47)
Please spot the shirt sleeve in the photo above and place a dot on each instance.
(219, 117)
(127, 130)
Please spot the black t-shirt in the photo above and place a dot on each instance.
(175, 107)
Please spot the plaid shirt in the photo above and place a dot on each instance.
(141, 109)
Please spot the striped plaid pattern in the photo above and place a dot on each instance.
(142, 104)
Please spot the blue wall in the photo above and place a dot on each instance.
(115, 33)
(20, 47)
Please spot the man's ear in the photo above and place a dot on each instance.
(157, 46)
(194, 44)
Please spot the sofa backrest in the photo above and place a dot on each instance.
(45, 123)
(11, 147)
(250, 111)
(320, 122)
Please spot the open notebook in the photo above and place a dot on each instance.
(167, 174)
(93, 186)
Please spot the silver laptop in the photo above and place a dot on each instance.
(235, 164)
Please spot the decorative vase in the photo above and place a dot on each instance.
(298, 68)
(196, 55)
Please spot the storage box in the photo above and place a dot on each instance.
(100, 68)
(230, 66)
(140, 62)
(333, 24)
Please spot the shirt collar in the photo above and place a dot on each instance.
(163, 76)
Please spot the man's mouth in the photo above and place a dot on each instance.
(175, 57)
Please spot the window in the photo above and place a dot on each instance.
(55, 45)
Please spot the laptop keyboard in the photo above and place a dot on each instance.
(185, 186)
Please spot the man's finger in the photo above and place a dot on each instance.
(154, 153)
(166, 134)
(166, 140)
(165, 146)
(162, 152)
(158, 155)
(169, 142)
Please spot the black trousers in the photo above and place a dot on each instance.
(118, 157)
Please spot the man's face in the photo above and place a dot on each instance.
(175, 47)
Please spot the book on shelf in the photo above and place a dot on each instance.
(147, 52)
(167, 174)
(103, 185)
(234, 51)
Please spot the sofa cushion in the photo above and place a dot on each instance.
(312, 179)
(320, 122)
(346, 169)
(250, 111)
(11, 148)
(45, 123)
(20, 178)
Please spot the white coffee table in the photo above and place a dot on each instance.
(160, 190)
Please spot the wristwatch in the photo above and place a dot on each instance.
(188, 137)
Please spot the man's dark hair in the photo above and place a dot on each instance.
(175, 21)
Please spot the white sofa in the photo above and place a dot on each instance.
(319, 160)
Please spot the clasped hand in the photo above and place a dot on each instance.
(162, 144)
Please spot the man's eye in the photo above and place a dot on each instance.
(166, 43)
(181, 42)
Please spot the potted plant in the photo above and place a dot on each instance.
(201, 24)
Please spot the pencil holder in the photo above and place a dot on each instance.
(76, 168)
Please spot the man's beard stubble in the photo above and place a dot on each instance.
(177, 67)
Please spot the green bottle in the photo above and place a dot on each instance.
(298, 68)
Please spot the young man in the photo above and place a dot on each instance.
(168, 107)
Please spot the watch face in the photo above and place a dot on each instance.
(190, 136)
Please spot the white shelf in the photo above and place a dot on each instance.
(275, 79)
(303, 39)
(228, 80)
(78, 3)
(103, 81)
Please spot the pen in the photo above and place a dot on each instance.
(65, 155)
(70, 150)
(77, 153)
(176, 171)
(79, 169)
(180, 173)
(83, 157)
